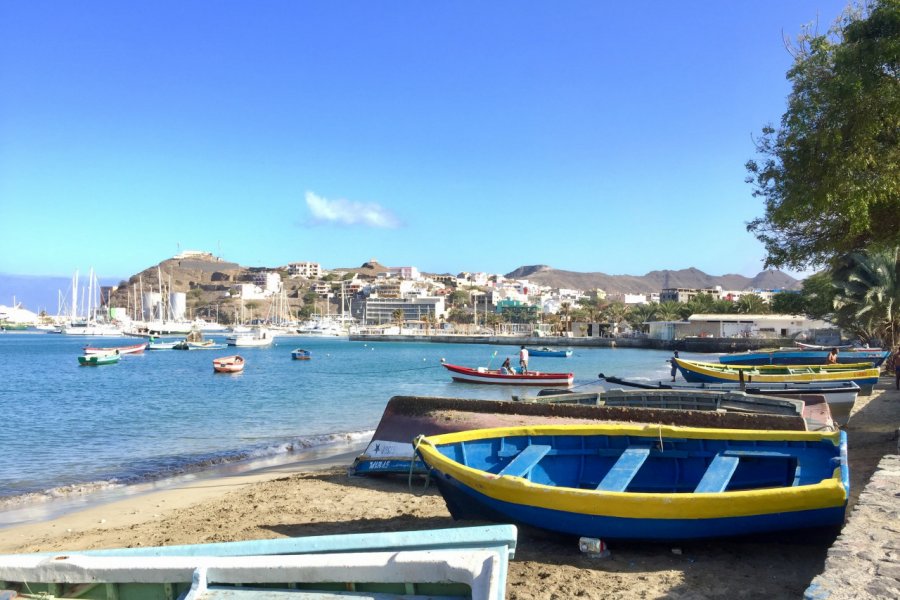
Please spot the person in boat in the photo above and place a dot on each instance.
(523, 359)
(506, 368)
(832, 357)
(674, 369)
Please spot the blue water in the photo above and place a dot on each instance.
(68, 429)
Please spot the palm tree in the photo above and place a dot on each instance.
(751, 304)
(868, 293)
(397, 315)
(638, 314)
(669, 311)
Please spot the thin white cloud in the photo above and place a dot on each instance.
(345, 212)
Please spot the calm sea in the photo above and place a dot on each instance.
(68, 430)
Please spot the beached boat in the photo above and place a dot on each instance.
(549, 352)
(840, 395)
(793, 356)
(391, 449)
(642, 482)
(465, 562)
(96, 360)
(122, 350)
(300, 354)
(864, 375)
(259, 337)
(496, 376)
(229, 364)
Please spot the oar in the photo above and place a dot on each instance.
(491, 359)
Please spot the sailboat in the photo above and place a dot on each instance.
(89, 324)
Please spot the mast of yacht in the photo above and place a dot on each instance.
(74, 314)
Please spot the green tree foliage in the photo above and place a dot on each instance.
(458, 298)
(867, 296)
(830, 174)
(788, 303)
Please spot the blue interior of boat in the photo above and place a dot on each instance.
(650, 465)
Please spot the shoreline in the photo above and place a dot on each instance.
(319, 498)
(198, 483)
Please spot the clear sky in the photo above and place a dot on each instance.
(451, 136)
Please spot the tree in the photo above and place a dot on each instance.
(751, 304)
(818, 296)
(668, 311)
(638, 314)
(458, 298)
(398, 317)
(788, 303)
(868, 294)
(830, 174)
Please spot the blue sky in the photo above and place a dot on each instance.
(477, 136)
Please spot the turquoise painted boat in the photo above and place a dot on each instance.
(549, 352)
(642, 482)
(470, 562)
(797, 356)
(96, 360)
(862, 374)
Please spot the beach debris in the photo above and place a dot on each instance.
(593, 547)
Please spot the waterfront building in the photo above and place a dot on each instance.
(269, 282)
(380, 311)
(735, 325)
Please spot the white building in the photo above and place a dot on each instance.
(735, 325)
(309, 270)
(268, 282)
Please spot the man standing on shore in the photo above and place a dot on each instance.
(674, 370)
(523, 359)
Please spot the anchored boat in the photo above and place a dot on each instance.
(642, 482)
(229, 364)
(864, 375)
(496, 376)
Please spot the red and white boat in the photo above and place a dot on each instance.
(495, 376)
(228, 364)
(132, 349)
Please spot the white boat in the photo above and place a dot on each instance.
(258, 337)
(84, 327)
(322, 327)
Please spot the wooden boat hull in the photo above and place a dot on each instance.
(468, 562)
(700, 372)
(96, 360)
(617, 482)
(228, 364)
(391, 448)
(840, 395)
(132, 349)
(549, 352)
(804, 357)
(492, 377)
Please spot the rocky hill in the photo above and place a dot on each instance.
(652, 281)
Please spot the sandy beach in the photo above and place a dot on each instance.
(315, 497)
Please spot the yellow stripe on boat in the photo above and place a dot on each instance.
(827, 493)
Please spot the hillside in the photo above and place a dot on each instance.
(652, 281)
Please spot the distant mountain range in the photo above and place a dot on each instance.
(654, 280)
(42, 293)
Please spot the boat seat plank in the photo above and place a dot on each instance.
(525, 460)
(718, 474)
(624, 470)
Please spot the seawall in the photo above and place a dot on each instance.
(695, 344)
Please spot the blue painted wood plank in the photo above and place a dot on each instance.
(525, 460)
(718, 474)
(626, 467)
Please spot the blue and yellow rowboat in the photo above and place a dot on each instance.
(863, 374)
(642, 482)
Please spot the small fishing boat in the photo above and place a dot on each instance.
(463, 562)
(96, 360)
(391, 449)
(259, 337)
(496, 376)
(649, 482)
(840, 395)
(300, 354)
(204, 345)
(229, 364)
(162, 345)
(794, 356)
(122, 350)
(864, 375)
(545, 351)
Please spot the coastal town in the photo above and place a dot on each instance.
(196, 290)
